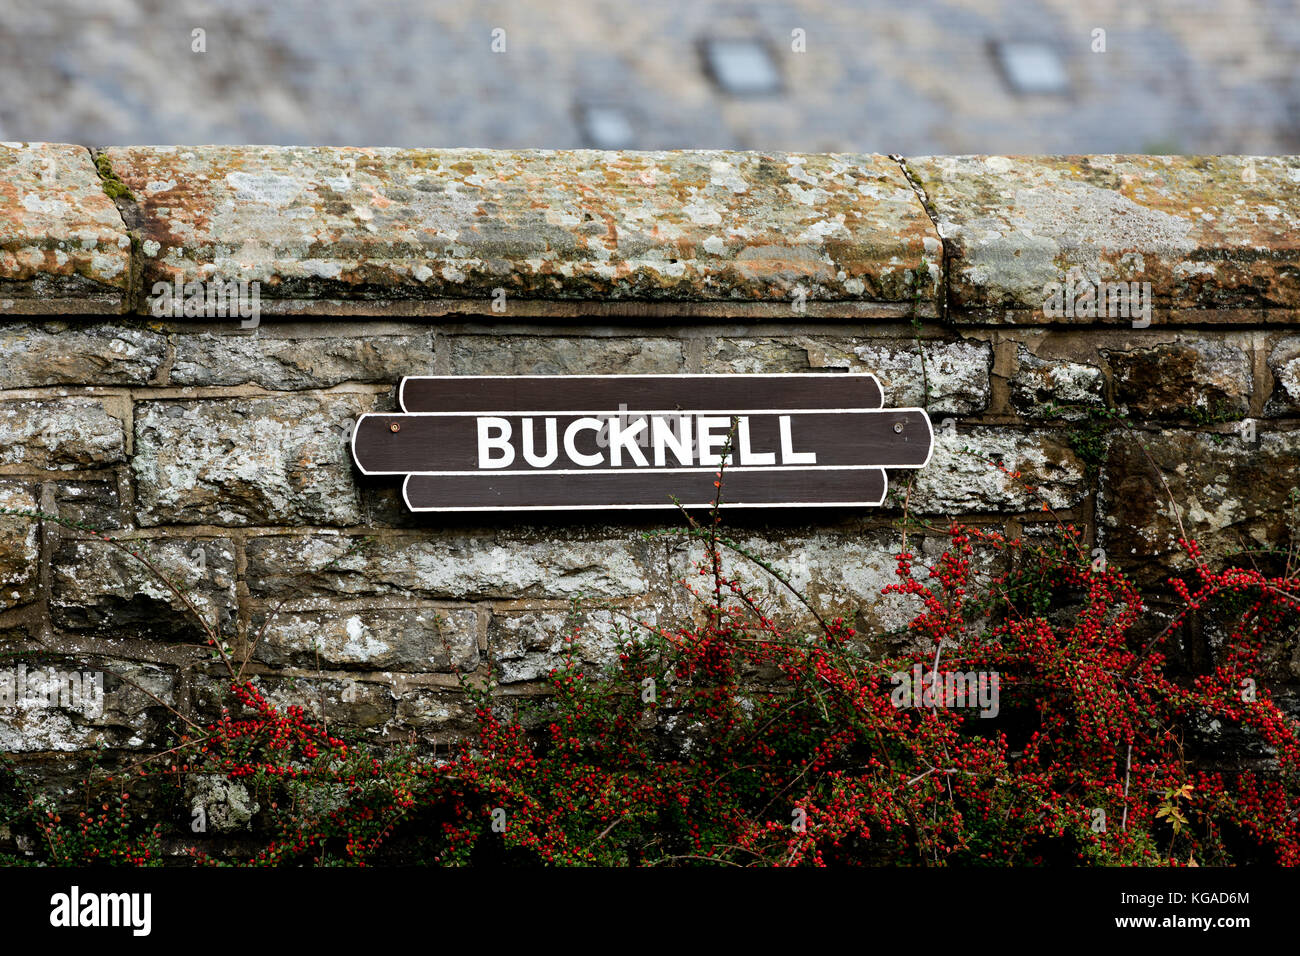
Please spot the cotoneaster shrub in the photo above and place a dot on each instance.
(740, 739)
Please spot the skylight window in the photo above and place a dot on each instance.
(1032, 68)
(607, 127)
(742, 67)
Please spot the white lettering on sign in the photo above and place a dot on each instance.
(494, 435)
(571, 438)
(552, 448)
(689, 440)
(750, 457)
(713, 435)
(788, 455)
(671, 434)
(621, 437)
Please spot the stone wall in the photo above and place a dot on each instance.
(222, 449)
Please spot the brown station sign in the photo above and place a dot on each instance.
(583, 442)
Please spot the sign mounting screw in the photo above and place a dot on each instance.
(898, 428)
(394, 426)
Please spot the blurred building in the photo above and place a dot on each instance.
(908, 76)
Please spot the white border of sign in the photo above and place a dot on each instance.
(837, 376)
(925, 417)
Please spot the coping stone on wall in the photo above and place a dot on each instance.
(63, 246)
(411, 231)
(1218, 237)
